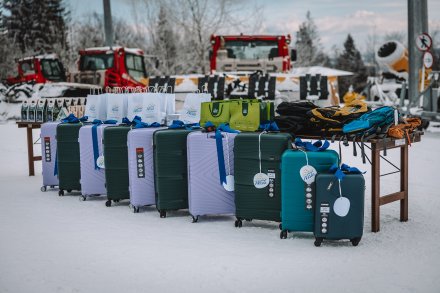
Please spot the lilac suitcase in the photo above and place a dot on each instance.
(205, 194)
(141, 167)
(48, 154)
(92, 180)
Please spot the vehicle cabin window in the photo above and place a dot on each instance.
(251, 50)
(52, 69)
(135, 66)
(96, 62)
(27, 67)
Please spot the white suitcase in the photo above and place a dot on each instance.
(92, 177)
(48, 154)
(141, 167)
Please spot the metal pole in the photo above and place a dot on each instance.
(415, 56)
(108, 27)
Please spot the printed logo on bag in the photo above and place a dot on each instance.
(115, 108)
(191, 112)
(137, 110)
(92, 108)
(150, 108)
(215, 111)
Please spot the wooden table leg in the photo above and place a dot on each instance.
(375, 188)
(404, 183)
(30, 146)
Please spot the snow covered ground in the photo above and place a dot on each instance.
(59, 244)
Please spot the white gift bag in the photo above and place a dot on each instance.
(96, 107)
(152, 108)
(190, 112)
(116, 107)
(135, 105)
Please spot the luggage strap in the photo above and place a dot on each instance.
(317, 146)
(220, 154)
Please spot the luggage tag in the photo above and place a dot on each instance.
(341, 206)
(229, 184)
(308, 174)
(261, 180)
(100, 162)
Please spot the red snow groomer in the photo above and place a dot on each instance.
(238, 53)
(111, 67)
(39, 69)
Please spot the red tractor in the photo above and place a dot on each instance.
(251, 53)
(39, 69)
(111, 67)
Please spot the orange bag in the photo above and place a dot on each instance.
(404, 129)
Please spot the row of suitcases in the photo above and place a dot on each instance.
(179, 169)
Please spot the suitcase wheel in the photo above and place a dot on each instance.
(82, 198)
(43, 188)
(52, 186)
(280, 226)
(116, 200)
(238, 223)
(318, 241)
(355, 241)
(69, 190)
(195, 219)
(163, 214)
(135, 209)
(108, 203)
(283, 234)
(61, 192)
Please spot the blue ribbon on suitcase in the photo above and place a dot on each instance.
(177, 124)
(220, 154)
(341, 171)
(317, 146)
(96, 123)
(73, 119)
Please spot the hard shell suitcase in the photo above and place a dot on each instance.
(68, 162)
(334, 224)
(92, 177)
(252, 202)
(116, 163)
(170, 170)
(48, 154)
(297, 197)
(141, 167)
(206, 195)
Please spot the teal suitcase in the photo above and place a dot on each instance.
(330, 221)
(170, 170)
(252, 202)
(116, 163)
(297, 197)
(68, 162)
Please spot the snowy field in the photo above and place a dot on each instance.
(59, 244)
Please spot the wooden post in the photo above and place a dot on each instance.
(30, 146)
(375, 188)
(404, 183)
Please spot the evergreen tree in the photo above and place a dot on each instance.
(35, 25)
(350, 59)
(309, 51)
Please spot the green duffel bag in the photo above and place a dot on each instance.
(247, 115)
(215, 112)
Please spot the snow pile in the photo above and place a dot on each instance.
(59, 244)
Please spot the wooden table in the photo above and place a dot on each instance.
(30, 143)
(378, 145)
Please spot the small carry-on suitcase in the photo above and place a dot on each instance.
(297, 195)
(334, 218)
(68, 163)
(116, 163)
(170, 170)
(141, 167)
(258, 182)
(48, 154)
(206, 193)
(91, 149)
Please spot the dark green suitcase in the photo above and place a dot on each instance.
(170, 170)
(116, 163)
(68, 165)
(251, 202)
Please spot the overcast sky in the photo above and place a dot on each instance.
(334, 18)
